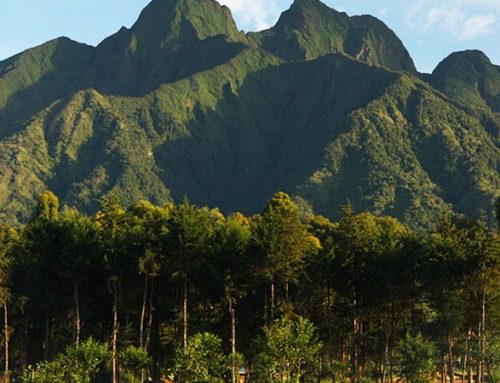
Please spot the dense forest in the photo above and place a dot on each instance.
(185, 293)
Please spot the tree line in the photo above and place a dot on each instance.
(133, 294)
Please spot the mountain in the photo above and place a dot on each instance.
(171, 40)
(470, 78)
(309, 29)
(326, 107)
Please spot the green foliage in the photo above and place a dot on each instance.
(202, 361)
(76, 365)
(413, 359)
(281, 239)
(133, 360)
(290, 351)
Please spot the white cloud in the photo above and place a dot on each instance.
(453, 18)
(478, 25)
(253, 14)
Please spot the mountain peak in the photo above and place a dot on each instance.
(310, 29)
(166, 19)
(469, 77)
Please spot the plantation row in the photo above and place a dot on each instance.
(187, 293)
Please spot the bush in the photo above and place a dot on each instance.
(133, 360)
(413, 359)
(76, 365)
(289, 352)
(202, 361)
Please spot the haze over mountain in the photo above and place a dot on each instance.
(324, 106)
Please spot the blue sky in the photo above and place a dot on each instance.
(430, 29)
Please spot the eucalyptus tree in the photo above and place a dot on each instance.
(356, 246)
(189, 232)
(80, 247)
(111, 223)
(148, 226)
(231, 264)
(280, 240)
(5, 296)
(36, 266)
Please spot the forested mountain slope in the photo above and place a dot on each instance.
(324, 106)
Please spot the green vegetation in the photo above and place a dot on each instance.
(323, 106)
(290, 351)
(131, 294)
(414, 359)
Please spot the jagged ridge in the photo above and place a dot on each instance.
(323, 106)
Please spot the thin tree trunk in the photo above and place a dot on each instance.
(115, 334)
(77, 311)
(148, 330)
(355, 349)
(150, 318)
(266, 307)
(444, 371)
(143, 312)
(481, 334)
(185, 313)
(46, 342)
(287, 289)
(466, 356)
(483, 330)
(272, 299)
(386, 357)
(7, 336)
(232, 313)
(451, 360)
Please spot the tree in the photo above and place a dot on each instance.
(133, 361)
(290, 351)
(231, 264)
(281, 240)
(189, 232)
(413, 359)
(77, 365)
(79, 251)
(5, 265)
(112, 230)
(201, 360)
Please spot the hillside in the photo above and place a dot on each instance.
(324, 106)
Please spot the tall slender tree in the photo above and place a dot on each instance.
(281, 241)
(111, 224)
(189, 232)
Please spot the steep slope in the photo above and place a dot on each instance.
(32, 80)
(310, 29)
(172, 39)
(184, 104)
(470, 78)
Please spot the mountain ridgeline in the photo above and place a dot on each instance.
(326, 107)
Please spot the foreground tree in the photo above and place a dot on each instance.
(290, 351)
(201, 360)
(77, 365)
(414, 359)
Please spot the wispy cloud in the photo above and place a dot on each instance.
(478, 25)
(382, 12)
(254, 14)
(454, 18)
